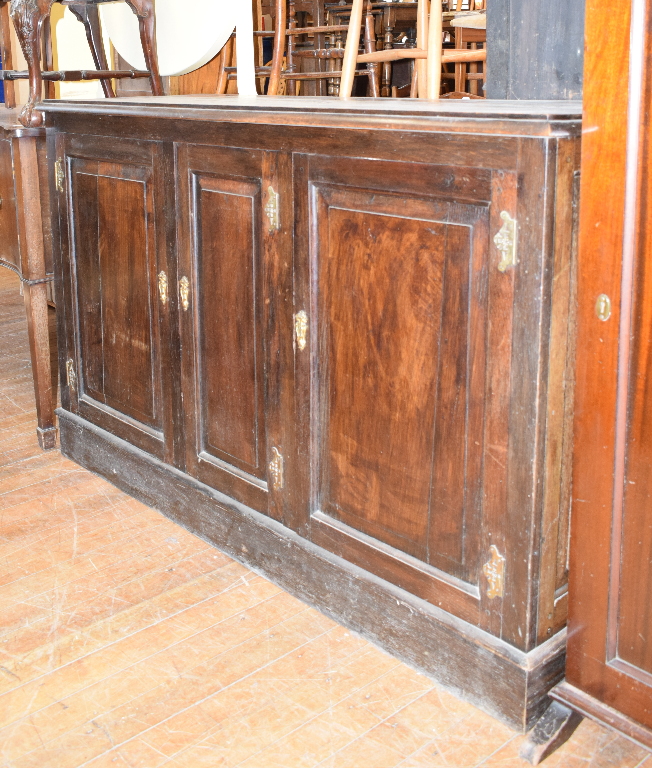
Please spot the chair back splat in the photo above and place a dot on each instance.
(30, 17)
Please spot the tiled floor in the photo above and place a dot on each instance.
(125, 641)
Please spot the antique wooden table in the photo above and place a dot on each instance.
(334, 339)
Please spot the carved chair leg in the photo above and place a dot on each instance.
(144, 9)
(89, 15)
(6, 52)
(28, 16)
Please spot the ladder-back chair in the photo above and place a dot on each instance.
(31, 17)
(428, 54)
(286, 54)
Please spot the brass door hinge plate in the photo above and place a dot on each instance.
(59, 175)
(184, 291)
(163, 287)
(273, 209)
(276, 469)
(494, 571)
(71, 376)
(506, 241)
(301, 329)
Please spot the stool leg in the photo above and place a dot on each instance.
(89, 15)
(28, 16)
(144, 9)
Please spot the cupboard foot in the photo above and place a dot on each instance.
(555, 727)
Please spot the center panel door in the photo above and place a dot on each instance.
(396, 290)
(232, 287)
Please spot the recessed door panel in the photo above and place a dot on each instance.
(228, 292)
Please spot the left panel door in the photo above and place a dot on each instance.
(117, 288)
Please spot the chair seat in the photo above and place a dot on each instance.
(470, 21)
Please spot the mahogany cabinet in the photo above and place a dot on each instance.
(335, 339)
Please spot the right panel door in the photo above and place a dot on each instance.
(395, 352)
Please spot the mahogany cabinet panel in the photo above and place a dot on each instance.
(231, 308)
(119, 289)
(9, 253)
(412, 378)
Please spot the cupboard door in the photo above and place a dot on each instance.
(118, 290)
(609, 667)
(236, 323)
(404, 376)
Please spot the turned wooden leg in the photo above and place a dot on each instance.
(28, 16)
(35, 279)
(36, 306)
(373, 88)
(89, 15)
(144, 9)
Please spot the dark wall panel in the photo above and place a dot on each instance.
(535, 49)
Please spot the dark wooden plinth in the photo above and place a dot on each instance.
(503, 681)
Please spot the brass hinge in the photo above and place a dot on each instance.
(301, 329)
(163, 287)
(494, 570)
(272, 209)
(184, 291)
(506, 242)
(59, 175)
(276, 469)
(71, 376)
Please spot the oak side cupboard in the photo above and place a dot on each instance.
(335, 340)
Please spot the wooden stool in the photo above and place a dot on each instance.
(29, 17)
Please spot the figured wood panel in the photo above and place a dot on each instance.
(399, 377)
(382, 343)
(228, 291)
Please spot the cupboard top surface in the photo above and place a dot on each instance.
(477, 116)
